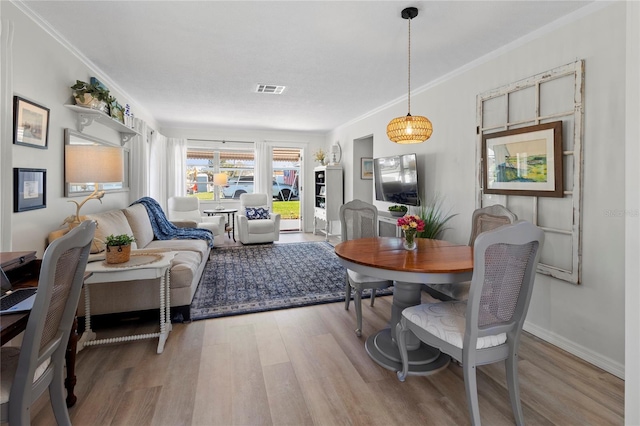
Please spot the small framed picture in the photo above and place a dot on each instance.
(30, 123)
(525, 161)
(323, 190)
(29, 189)
(366, 168)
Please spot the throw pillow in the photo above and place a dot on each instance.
(257, 213)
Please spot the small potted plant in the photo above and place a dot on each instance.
(90, 95)
(118, 248)
(398, 210)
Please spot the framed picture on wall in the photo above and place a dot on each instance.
(30, 123)
(525, 161)
(366, 168)
(29, 189)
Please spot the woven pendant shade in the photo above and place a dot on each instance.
(409, 129)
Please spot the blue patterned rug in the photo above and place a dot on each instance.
(248, 279)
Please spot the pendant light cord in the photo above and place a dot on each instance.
(409, 73)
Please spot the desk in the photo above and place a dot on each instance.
(141, 267)
(231, 219)
(433, 262)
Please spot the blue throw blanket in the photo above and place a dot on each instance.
(163, 229)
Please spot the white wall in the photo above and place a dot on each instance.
(362, 188)
(587, 319)
(309, 142)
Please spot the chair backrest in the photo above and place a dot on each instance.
(505, 262)
(184, 208)
(488, 218)
(61, 276)
(358, 220)
(253, 200)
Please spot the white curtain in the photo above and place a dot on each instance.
(263, 169)
(167, 171)
(139, 162)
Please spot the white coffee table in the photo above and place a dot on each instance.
(142, 266)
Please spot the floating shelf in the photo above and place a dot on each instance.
(86, 117)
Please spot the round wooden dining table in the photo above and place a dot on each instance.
(433, 262)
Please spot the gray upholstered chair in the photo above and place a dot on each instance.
(254, 231)
(486, 328)
(184, 212)
(39, 363)
(360, 220)
(482, 220)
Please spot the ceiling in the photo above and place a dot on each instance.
(197, 64)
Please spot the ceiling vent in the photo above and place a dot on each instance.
(270, 88)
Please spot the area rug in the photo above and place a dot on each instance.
(259, 278)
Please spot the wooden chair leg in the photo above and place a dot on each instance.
(511, 365)
(373, 296)
(471, 387)
(347, 292)
(358, 302)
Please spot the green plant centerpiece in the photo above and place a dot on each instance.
(118, 248)
(435, 218)
(90, 95)
(398, 210)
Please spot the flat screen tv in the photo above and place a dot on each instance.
(396, 179)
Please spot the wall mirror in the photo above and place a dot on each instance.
(78, 189)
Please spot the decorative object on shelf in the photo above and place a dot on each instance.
(409, 129)
(91, 95)
(398, 210)
(92, 163)
(319, 156)
(524, 161)
(434, 218)
(366, 168)
(410, 225)
(118, 248)
(30, 123)
(220, 181)
(336, 153)
(29, 189)
(117, 112)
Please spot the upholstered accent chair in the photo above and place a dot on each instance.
(254, 221)
(487, 327)
(360, 220)
(482, 220)
(38, 365)
(184, 212)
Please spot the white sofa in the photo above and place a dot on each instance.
(126, 296)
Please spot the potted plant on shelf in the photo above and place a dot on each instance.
(398, 210)
(118, 248)
(90, 95)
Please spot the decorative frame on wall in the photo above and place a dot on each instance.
(366, 168)
(29, 189)
(30, 123)
(524, 161)
(552, 95)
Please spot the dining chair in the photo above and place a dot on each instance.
(360, 220)
(487, 327)
(39, 363)
(482, 220)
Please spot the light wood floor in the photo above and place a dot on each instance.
(306, 366)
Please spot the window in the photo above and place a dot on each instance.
(203, 164)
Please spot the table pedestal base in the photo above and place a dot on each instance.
(423, 361)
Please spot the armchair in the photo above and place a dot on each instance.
(254, 231)
(184, 212)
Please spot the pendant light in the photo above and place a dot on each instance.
(411, 128)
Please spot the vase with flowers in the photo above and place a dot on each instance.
(410, 225)
(320, 156)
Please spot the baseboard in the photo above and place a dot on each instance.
(605, 363)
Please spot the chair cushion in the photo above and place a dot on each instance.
(360, 278)
(263, 226)
(446, 321)
(253, 213)
(9, 357)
